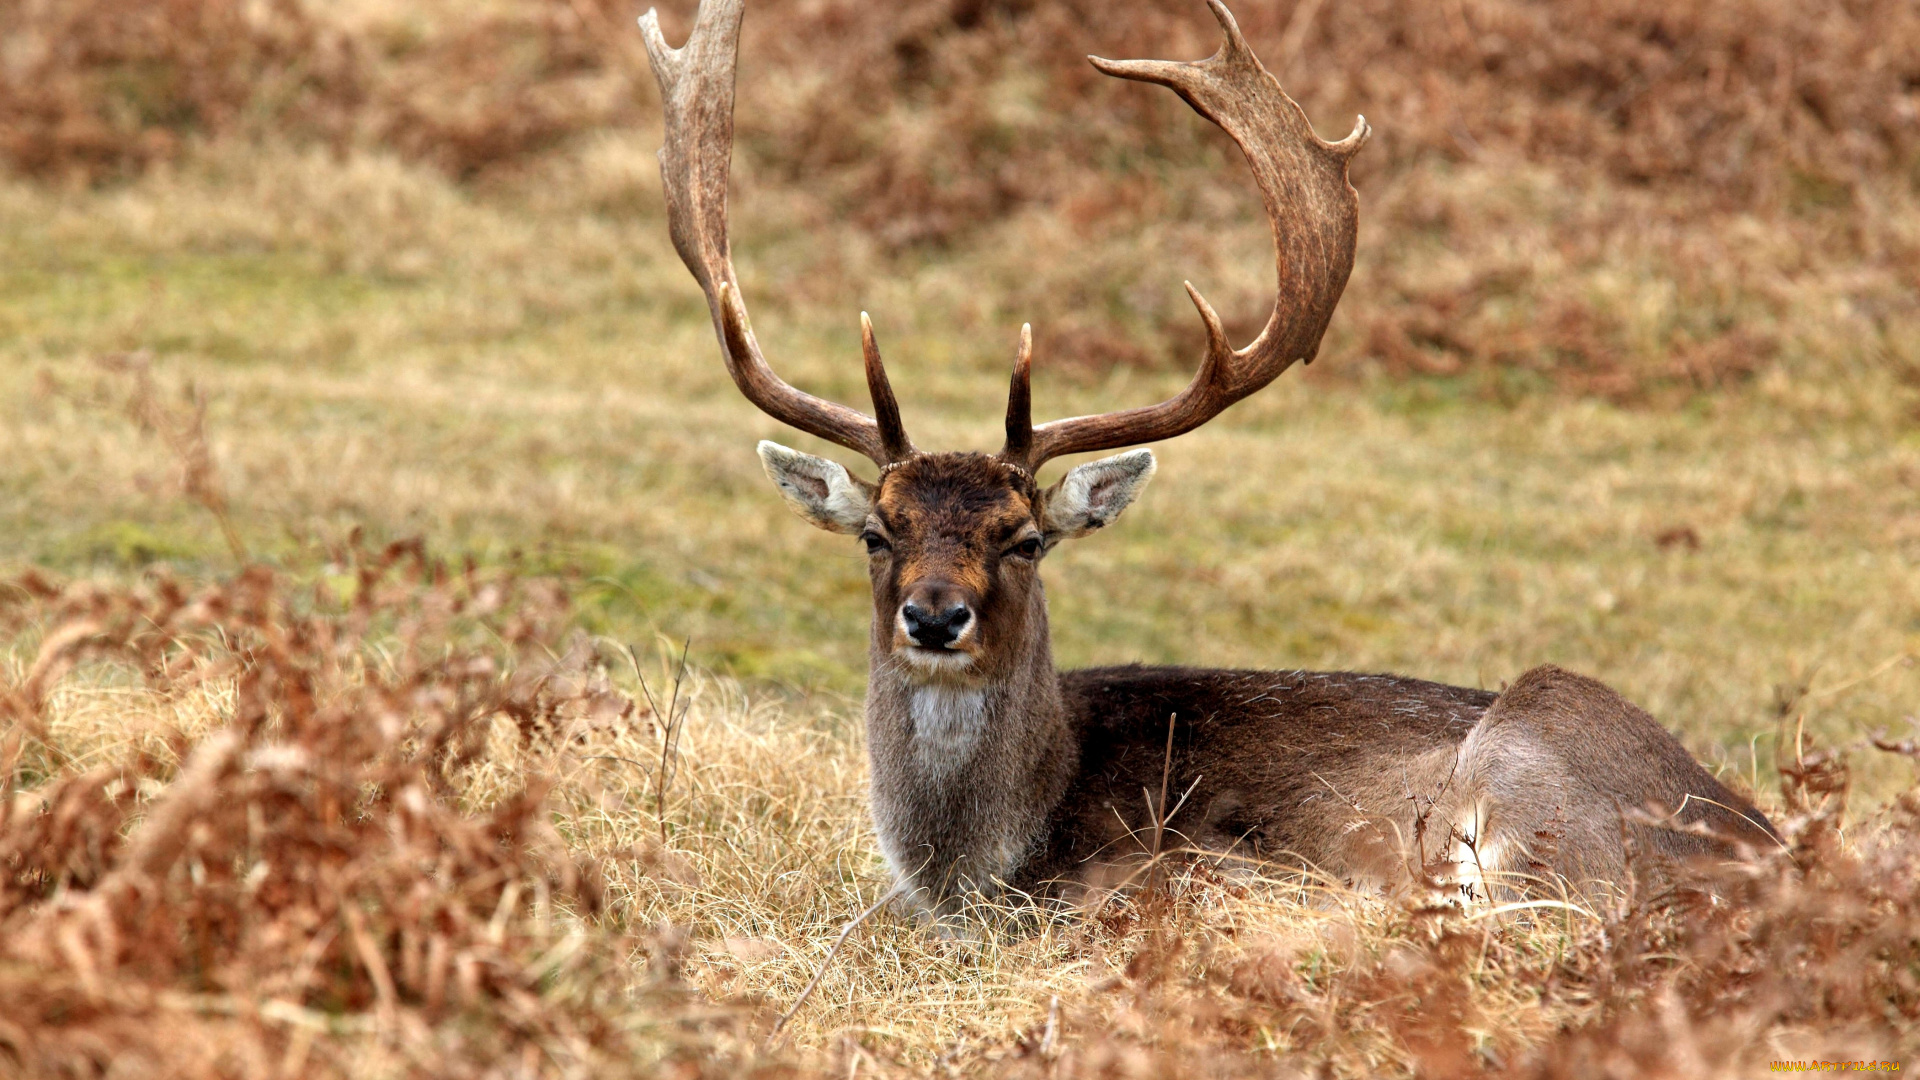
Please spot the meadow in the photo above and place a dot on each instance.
(365, 446)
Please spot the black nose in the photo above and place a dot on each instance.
(934, 631)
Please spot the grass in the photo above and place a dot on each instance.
(1661, 439)
(518, 380)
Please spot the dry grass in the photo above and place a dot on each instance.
(1625, 380)
(397, 821)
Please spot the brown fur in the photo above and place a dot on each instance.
(963, 823)
(1009, 774)
(1335, 771)
(948, 519)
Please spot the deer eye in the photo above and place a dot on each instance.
(875, 542)
(1026, 549)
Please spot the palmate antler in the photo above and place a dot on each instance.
(1303, 184)
(696, 92)
(1314, 212)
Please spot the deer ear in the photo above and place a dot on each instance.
(821, 491)
(1092, 495)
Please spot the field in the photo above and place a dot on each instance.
(365, 444)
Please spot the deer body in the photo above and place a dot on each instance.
(1323, 770)
(993, 771)
(1334, 771)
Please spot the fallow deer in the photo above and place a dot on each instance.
(993, 771)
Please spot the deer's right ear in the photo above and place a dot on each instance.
(821, 491)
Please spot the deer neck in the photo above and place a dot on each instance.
(966, 770)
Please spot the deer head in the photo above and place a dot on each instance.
(955, 539)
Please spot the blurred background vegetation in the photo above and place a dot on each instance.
(1626, 377)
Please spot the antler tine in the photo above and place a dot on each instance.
(696, 92)
(886, 410)
(1020, 401)
(1314, 213)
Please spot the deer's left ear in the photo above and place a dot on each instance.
(1091, 496)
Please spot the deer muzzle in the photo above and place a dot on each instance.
(937, 623)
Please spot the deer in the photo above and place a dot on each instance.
(994, 775)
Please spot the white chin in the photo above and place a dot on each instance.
(937, 661)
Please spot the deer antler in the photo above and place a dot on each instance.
(696, 91)
(1314, 212)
